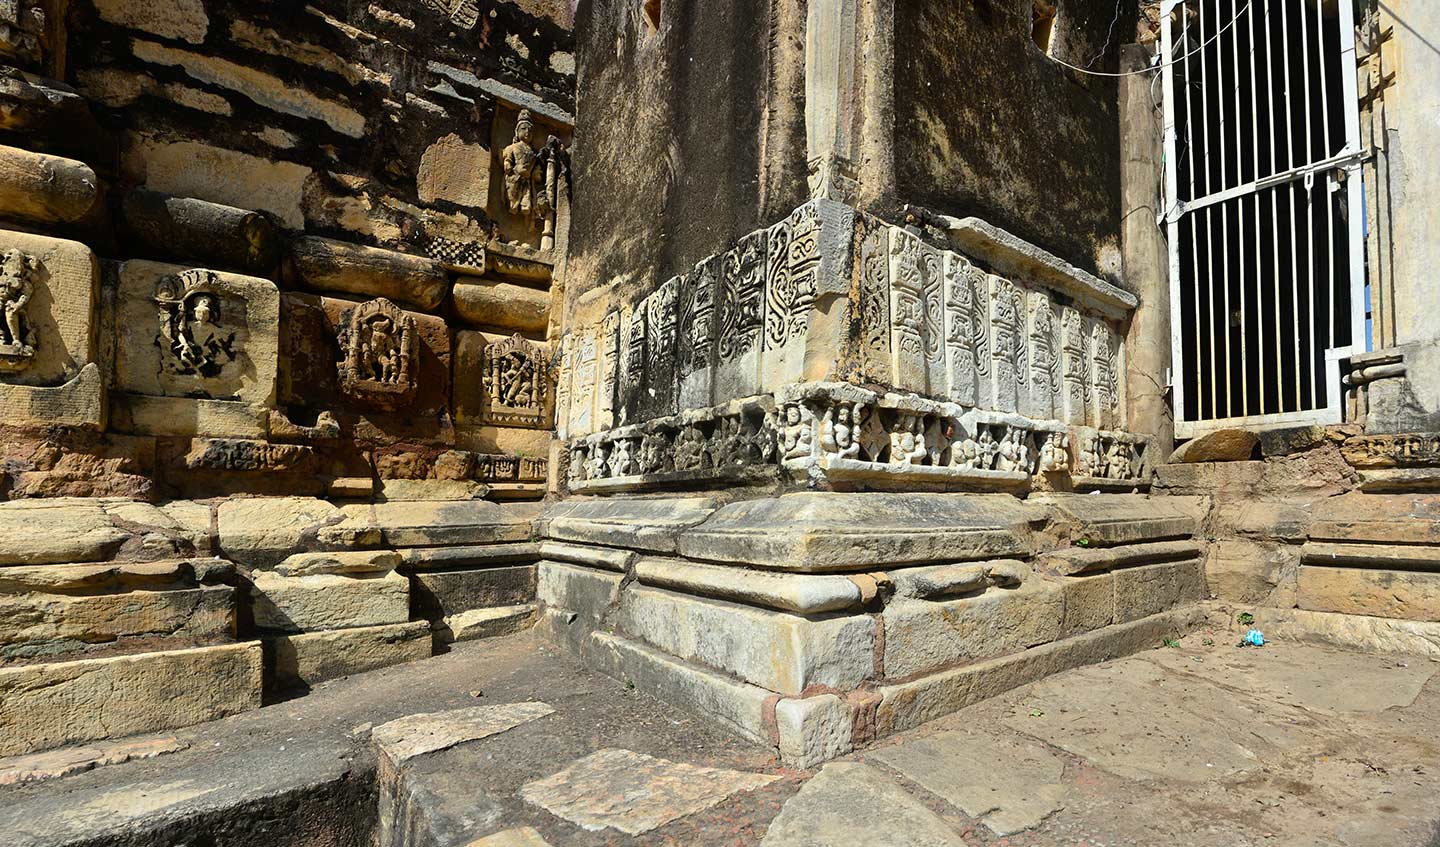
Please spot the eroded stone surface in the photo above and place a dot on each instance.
(63, 762)
(1011, 784)
(635, 793)
(415, 735)
(848, 803)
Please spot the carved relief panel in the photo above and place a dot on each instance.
(517, 391)
(195, 333)
(380, 355)
(1007, 342)
(741, 310)
(565, 374)
(609, 371)
(1074, 367)
(583, 381)
(662, 320)
(1105, 375)
(697, 333)
(873, 293)
(908, 345)
(792, 269)
(961, 378)
(1041, 400)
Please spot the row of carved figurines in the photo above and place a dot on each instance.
(792, 435)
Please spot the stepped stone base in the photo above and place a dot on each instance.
(817, 622)
(57, 703)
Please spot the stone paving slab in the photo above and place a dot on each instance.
(1011, 784)
(415, 735)
(633, 792)
(849, 804)
(53, 764)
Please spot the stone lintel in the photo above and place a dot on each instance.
(831, 531)
(800, 593)
(1388, 556)
(582, 554)
(418, 559)
(1073, 561)
(1008, 253)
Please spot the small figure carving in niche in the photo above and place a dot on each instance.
(907, 441)
(533, 178)
(690, 450)
(598, 465)
(17, 337)
(987, 448)
(1009, 452)
(1022, 449)
(1117, 460)
(837, 431)
(379, 364)
(621, 462)
(1089, 455)
(796, 435)
(1054, 453)
(655, 454)
(190, 327)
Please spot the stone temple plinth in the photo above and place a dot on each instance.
(843, 478)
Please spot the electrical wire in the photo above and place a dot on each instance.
(1205, 44)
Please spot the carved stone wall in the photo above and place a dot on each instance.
(236, 223)
(989, 366)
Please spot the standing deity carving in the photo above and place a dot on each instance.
(380, 355)
(534, 178)
(17, 284)
(190, 329)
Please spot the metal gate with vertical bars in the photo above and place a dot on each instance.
(1263, 209)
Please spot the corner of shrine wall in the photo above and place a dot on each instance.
(986, 125)
(690, 134)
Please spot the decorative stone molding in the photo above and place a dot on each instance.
(379, 368)
(841, 434)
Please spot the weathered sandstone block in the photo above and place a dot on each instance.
(1152, 589)
(344, 562)
(302, 660)
(328, 601)
(1378, 593)
(321, 264)
(45, 189)
(486, 623)
(1224, 445)
(922, 635)
(209, 233)
(35, 625)
(44, 706)
(775, 650)
(196, 333)
(490, 303)
(439, 594)
(40, 532)
(263, 531)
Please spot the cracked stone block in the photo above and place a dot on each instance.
(635, 793)
(328, 601)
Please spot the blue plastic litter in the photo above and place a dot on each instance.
(1255, 637)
